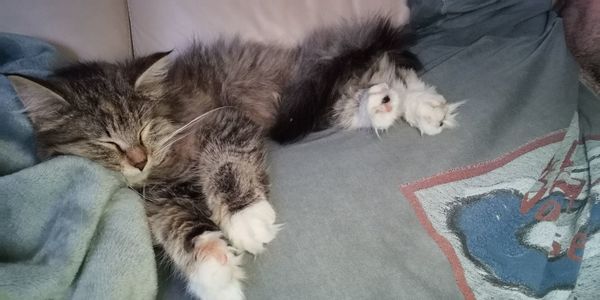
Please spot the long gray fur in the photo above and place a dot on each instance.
(245, 91)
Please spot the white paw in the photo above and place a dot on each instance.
(382, 106)
(216, 274)
(251, 228)
(429, 111)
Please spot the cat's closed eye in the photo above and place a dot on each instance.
(112, 144)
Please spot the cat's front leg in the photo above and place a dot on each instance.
(238, 193)
(196, 246)
(236, 183)
(251, 228)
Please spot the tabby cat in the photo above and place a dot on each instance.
(188, 130)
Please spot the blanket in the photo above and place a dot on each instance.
(69, 229)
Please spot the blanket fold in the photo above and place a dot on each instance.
(69, 229)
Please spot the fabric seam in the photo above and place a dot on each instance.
(130, 28)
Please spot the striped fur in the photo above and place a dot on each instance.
(202, 118)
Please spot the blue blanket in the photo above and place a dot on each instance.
(68, 227)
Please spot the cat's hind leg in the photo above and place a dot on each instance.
(380, 103)
(196, 246)
(391, 95)
(216, 273)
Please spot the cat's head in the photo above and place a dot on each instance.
(113, 114)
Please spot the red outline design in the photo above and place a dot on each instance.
(409, 190)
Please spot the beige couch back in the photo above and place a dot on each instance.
(163, 25)
(89, 29)
(93, 29)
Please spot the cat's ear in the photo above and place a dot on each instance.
(153, 76)
(39, 100)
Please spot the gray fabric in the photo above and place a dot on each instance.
(349, 232)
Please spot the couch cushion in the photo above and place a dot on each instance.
(83, 29)
(163, 25)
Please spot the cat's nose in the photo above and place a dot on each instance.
(137, 156)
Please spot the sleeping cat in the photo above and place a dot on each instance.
(187, 131)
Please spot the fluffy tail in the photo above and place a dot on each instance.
(328, 59)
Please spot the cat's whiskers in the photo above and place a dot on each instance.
(168, 145)
(168, 141)
(143, 195)
(192, 122)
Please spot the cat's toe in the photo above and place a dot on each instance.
(384, 104)
(251, 228)
(384, 119)
(216, 273)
